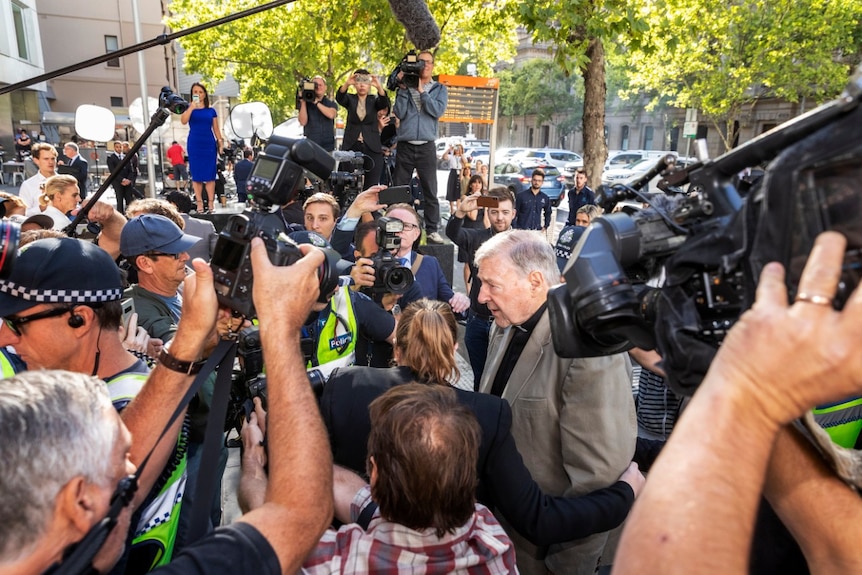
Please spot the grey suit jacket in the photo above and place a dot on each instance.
(573, 419)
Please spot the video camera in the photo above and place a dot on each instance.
(173, 102)
(389, 275)
(305, 91)
(344, 185)
(275, 177)
(411, 67)
(712, 242)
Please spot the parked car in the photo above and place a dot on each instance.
(549, 157)
(503, 155)
(477, 153)
(636, 170)
(628, 171)
(516, 177)
(622, 159)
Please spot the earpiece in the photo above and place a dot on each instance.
(76, 321)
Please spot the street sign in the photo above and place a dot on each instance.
(689, 130)
(471, 99)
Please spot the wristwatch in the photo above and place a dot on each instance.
(174, 364)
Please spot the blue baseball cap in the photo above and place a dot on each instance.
(153, 233)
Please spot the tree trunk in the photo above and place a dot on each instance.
(595, 91)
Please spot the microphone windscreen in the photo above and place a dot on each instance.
(418, 22)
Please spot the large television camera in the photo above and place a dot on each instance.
(305, 91)
(712, 242)
(346, 185)
(410, 68)
(278, 173)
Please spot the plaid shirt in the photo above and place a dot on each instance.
(478, 547)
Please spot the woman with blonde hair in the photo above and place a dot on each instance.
(425, 344)
(60, 195)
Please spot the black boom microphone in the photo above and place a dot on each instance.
(418, 22)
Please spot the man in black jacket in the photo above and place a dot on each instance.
(76, 166)
(124, 184)
(468, 241)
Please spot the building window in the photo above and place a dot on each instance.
(674, 139)
(702, 132)
(19, 19)
(116, 102)
(112, 45)
(648, 136)
(624, 140)
(546, 136)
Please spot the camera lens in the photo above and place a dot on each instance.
(10, 233)
(398, 280)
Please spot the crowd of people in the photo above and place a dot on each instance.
(386, 462)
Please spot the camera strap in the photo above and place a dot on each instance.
(208, 477)
(78, 558)
(416, 263)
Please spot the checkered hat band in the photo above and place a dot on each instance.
(60, 295)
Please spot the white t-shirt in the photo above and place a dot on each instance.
(31, 190)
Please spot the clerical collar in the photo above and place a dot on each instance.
(529, 325)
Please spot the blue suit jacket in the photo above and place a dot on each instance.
(431, 280)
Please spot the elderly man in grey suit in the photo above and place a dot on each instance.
(573, 419)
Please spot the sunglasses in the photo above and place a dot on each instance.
(161, 254)
(15, 323)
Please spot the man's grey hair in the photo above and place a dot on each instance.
(72, 145)
(527, 250)
(54, 429)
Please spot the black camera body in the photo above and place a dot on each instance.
(306, 91)
(277, 174)
(231, 261)
(711, 243)
(250, 380)
(344, 185)
(279, 171)
(389, 275)
(411, 67)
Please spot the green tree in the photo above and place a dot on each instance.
(742, 51)
(270, 52)
(539, 87)
(578, 31)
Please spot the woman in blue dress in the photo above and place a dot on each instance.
(203, 144)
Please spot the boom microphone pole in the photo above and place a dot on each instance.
(161, 39)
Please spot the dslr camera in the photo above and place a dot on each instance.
(411, 67)
(711, 241)
(250, 380)
(389, 275)
(277, 174)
